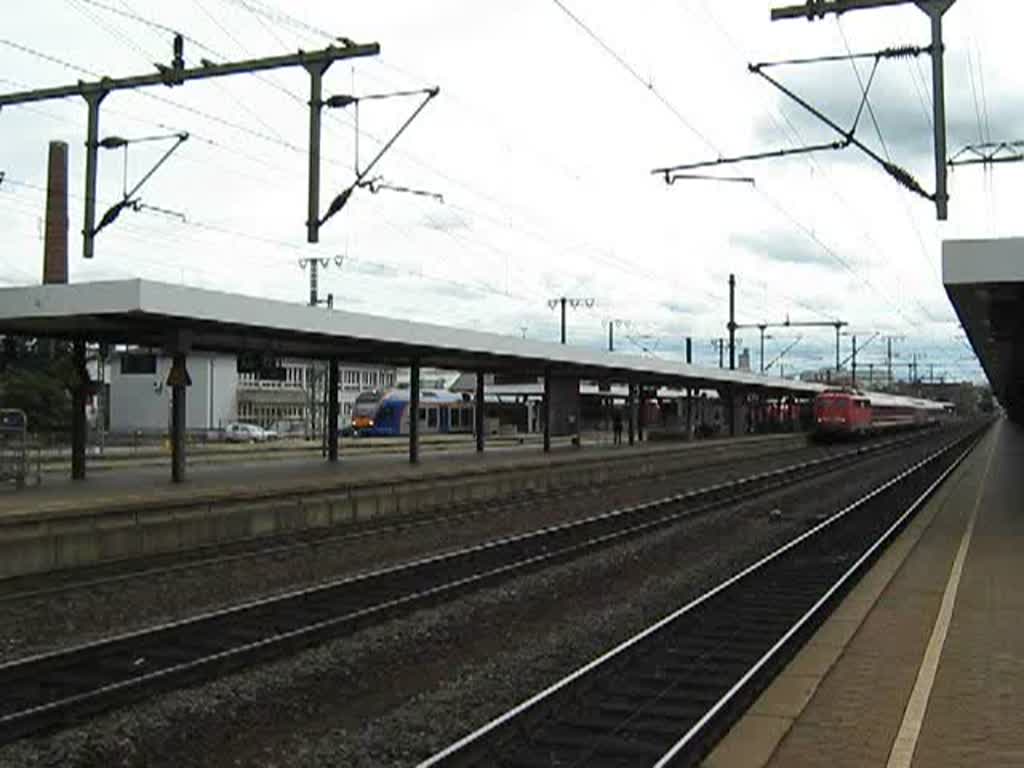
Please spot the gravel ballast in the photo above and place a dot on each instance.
(76, 615)
(393, 694)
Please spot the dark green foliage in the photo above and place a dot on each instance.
(37, 375)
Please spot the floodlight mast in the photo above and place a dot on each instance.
(934, 9)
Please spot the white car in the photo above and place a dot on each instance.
(244, 433)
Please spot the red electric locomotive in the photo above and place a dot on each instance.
(842, 413)
(845, 412)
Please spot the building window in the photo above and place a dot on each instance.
(432, 417)
(351, 377)
(133, 363)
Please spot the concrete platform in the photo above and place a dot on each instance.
(133, 512)
(923, 663)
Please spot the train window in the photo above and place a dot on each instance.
(432, 417)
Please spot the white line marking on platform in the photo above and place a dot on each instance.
(902, 753)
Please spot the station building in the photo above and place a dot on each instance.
(138, 398)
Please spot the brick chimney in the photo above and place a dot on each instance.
(55, 245)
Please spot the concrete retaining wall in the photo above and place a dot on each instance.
(51, 541)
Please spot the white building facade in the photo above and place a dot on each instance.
(140, 399)
(286, 405)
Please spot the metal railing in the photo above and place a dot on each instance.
(16, 450)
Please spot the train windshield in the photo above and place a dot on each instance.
(366, 404)
(831, 401)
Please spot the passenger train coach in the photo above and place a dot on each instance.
(845, 412)
(385, 413)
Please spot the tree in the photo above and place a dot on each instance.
(38, 376)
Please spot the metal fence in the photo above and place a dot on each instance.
(15, 448)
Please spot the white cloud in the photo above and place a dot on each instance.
(541, 145)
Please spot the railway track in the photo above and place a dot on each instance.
(665, 696)
(52, 689)
(33, 586)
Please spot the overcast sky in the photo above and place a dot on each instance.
(541, 143)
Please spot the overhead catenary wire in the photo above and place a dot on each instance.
(712, 145)
(264, 78)
(987, 132)
(863, 88)
(198, 223)
(396, 270)
(646, 83)
(981, 81)
(796, 139)
(260, 20)
(162, 99)
(311, 30)
(215, 118)
(888, 156)
(149, 57)
(632, 71)
(248, 7)
(249, 235)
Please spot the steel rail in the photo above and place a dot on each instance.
(311, 538)
(482, 743)
(45, 690)
(814, 612)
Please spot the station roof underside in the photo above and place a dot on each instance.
(174, 317)
(985, 283)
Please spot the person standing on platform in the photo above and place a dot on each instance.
(617, 426)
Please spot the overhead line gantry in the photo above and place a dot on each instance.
(315, 63)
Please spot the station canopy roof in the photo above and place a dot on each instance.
(985, 283)
(175, 317)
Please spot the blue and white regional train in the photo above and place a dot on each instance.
(385, 413)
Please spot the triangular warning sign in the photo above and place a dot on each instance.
(178, 376)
